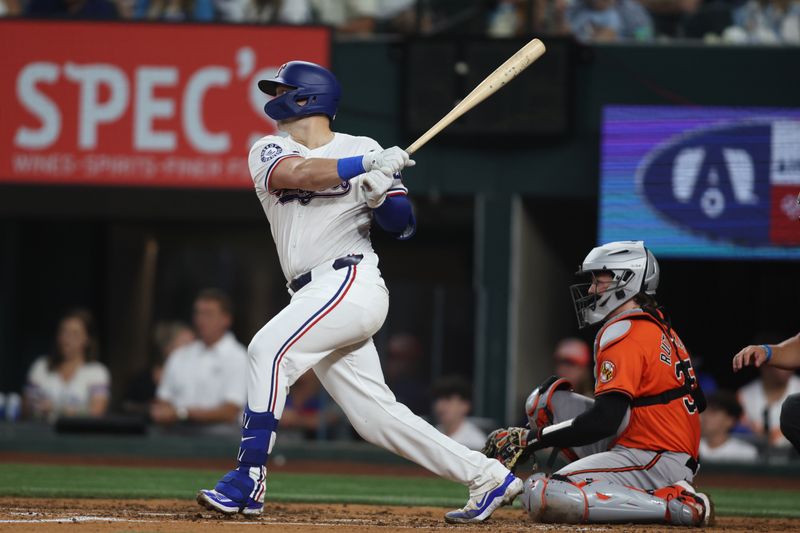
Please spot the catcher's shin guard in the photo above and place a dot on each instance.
(558, 500)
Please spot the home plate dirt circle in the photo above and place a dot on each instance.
(100, 516)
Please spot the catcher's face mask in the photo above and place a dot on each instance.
(596, 299)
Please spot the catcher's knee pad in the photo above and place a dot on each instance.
(539, 405)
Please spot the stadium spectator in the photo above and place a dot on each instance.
(264, 11)
(762, 401)
(347, 16)
(609, 20)
(451, 405)
(204, 381)
(573, 362)
(397, 16)
(718, 420)
(70, 381)
(785, 355)
(404, 373)
(766, 22)
(72, 9)
(304, 410)
(174, 10)
(510, 18)
(167, 337)
(10, 8)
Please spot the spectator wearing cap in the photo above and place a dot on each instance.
(70, 381)
(573, 362)
(451, 405)
(204, 382)
(718, 420)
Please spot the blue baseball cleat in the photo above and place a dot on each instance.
(237, 492)
(481, 506)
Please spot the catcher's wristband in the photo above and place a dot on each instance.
(768, 349)
(350, 167)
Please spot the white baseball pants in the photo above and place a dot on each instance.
(328, 327)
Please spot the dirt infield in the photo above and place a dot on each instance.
(168, 516)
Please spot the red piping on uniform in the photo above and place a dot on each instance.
(320, 317)
(648, 466)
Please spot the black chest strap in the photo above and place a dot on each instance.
(690, 385)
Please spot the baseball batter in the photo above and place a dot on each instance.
(320, 191)
(634, 448)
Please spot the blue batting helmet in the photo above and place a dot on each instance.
(309, 81)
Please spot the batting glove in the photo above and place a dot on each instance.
(375, 184)
(389, 161)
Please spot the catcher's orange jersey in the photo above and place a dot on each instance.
(635, 357)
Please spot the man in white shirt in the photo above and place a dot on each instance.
(720, 417)
(452, 402)
(204, 381)
(762, 400)
(786, 356)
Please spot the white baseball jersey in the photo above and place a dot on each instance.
(313, 227)
(329, 323)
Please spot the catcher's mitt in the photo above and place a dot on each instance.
(507, 445)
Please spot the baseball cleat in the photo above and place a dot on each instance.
(215, 501)
(481, 506)
(237, 492)
(698, 501)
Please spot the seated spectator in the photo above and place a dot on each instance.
(573, 362)
(72, 9)
(304, 410)
(277, 11)
(9, 8)
(167, 337)
(347, 16)
(205, 381)
(174, 10)
(766, 22)
(718, 420)
(609, 20)
(264, 11)
(762, 399)
(510, 18)
(70, 381)
(452, 403)
(404, 373)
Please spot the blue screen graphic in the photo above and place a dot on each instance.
(702, 182)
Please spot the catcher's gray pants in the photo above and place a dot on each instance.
(642, 469)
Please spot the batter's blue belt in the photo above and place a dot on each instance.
(343, 262)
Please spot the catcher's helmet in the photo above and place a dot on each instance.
(309, 81)
(634, 269)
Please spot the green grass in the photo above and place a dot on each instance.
(115, 482)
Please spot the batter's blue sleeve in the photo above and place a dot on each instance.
(396, 216)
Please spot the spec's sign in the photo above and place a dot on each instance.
(702, 182)
(139, 104)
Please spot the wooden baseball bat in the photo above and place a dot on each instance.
(506, 72)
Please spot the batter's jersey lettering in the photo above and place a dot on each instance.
(313, 227)
(639, 361)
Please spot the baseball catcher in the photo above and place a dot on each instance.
(633, 450)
